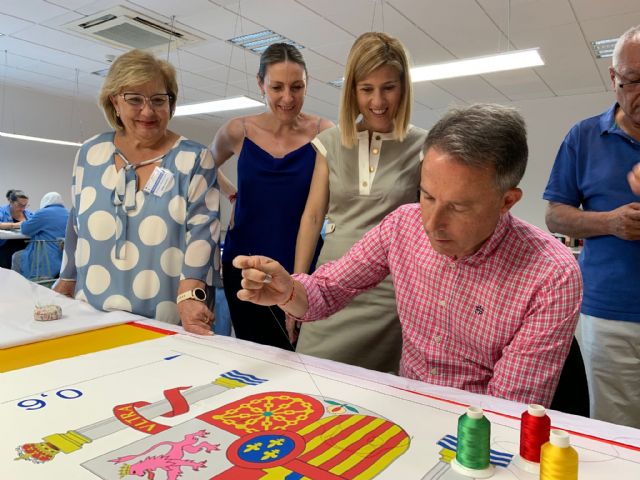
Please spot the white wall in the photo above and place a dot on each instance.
(38, 167)
(548, 121)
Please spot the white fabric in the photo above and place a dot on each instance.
(611, 352)
(80, 395)
(19, 297)
(51, 198)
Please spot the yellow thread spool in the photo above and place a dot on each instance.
(558, 460)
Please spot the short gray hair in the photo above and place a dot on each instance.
(633, 34)
(484, 136)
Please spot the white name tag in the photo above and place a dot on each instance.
(159, 181)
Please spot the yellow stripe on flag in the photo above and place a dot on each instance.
(362, 453)
(69, 346)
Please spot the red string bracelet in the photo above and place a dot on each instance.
(293, 291)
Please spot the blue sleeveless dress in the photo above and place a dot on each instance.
(272, 193)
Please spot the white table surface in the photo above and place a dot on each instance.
(12, 235)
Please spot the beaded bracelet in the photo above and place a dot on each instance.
(293, 291)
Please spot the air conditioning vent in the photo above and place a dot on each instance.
(123, 27)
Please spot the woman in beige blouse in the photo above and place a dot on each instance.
(365, 168)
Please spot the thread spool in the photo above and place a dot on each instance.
(558, 459)
(474, 438)
(534, 432)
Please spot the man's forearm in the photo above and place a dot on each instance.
(576, 223)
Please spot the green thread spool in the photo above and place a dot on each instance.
(558, 460)
(474, 438)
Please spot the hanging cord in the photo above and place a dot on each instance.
(373, 17)
(4, 82)
(173, 20)
(508, 25)
(235, 32)
(75, 111)
(244, 51)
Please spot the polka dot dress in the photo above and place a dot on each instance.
(167, 238)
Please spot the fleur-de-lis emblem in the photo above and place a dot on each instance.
(479, 310)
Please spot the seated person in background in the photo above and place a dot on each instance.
(487, 302)
(15, 211)
(11, 215)
(46, 227)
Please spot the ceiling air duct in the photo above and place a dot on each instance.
(123, 27)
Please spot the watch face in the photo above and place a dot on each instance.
(200, 294)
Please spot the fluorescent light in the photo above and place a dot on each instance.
(603, 48)
(478, 65)
(472, 66)
(260, 41)
(236, 103)
(38, 139)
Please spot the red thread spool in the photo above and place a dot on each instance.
(534, 432)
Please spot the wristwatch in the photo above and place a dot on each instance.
(193, 294)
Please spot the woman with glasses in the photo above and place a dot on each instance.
(144, 223)
(11, 216)
(275, 166)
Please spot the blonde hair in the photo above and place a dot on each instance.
(369, 52)
(133, 69)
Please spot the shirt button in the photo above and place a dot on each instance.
(377, 137)
(433, 371)
(442, 303)
(452, 265)
(437, 339)
(375, 151)
(372, 169)
(364, 184)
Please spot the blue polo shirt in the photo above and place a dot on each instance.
(590, 171)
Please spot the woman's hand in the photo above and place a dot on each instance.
(264, 281)
(65, 287)
(195, 317)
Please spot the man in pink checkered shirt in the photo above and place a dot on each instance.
(488, 303)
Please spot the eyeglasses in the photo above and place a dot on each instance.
(628, 84)
(137, 100)
(20, 205)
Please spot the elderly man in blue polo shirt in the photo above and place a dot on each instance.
(590, 197)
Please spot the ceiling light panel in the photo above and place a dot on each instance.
(258, 42)
(603, 48)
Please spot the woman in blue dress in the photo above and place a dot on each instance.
(144, 226)
(275, 166)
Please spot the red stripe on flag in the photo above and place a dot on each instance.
(374, 456)
(321, 430)
(331, 441)
(353, 448)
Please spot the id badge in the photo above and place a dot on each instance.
(159, 181)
